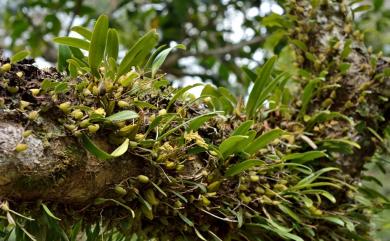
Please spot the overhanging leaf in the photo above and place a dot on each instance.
(243, 128)
(19, 56)
(48, 212)
(139, 50)
(242, 166)
(304, 157)
(99, 153)
(73, 42)
(98, 44)
(122, 115)
(121, 149)
(159, 60)
(86, 33)
(179, 93)
(259, 85)
(112, 45)
(230, 145)
(264, 140)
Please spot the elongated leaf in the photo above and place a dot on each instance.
(242, 166)
(261, 80)
(186, 123)
(185, 219)
(121, 149)
(98, 44)
(312, 177)
(48, 212)
(159, 60)
(19, 56)
(92, 148)
(197, 123)
(124, 206)
(122, 115)
(199, 235)
(216, 238)
(86, 33)
(64, 54)
(334, 219)
(289, 212)
(308, 92)
(323, 116)
(304, 157)
(112, 47)
(73, 42)
(270, 87)
(179, 93)
(264, 140)
(230, 145)
(99, 153)
(243, 128)
(157, 121)
(139, 50)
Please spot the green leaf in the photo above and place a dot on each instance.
(312, 177)
(299, 44)
(92, 148)
(122, 205)
(86, 33)
(64, 54)
(138, 52)
(199, 235)
(338, 145)
(361, 8)
(61, 88)
(121, 149)
(77, 53)
(289, 212)
(243, 128)
(185, 219)
(19, 56)
(242, 166)
(230, 145)
(260, 82)
(308, 92)
(157, 121)
(304, 157)
(159, 60)
(99, 153)
(98, 44)
(264, 140)
(186, 123)
(216, 238)
(73, 42)
(179, 93)
(122, 115)
(112, 47)
(197, 123)
(48, 212)
(326, 115)
(249, 74)
(334, 219)
(159, 189)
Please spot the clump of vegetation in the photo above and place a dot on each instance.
(212, 168)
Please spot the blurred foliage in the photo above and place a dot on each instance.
(220, 34)
(376, 24)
